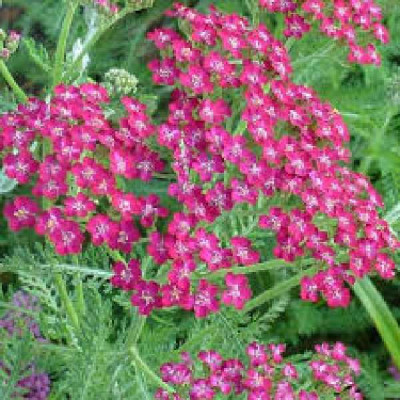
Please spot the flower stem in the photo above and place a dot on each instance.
(278, 290)
(138, 361)
(66, 301)
(136, 331)
(265, 266)
(80, 298)
(19, 93)
(83, 270)
(140, 364)
(62, 43)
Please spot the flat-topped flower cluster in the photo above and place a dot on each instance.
(351, 22)
(267, 375)
(238, 132)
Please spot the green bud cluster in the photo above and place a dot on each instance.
(9, 43)
(120, 82)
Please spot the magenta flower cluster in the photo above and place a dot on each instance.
(83, 155)
(280, 145)
(268, 375)
(351, 22)
(292, 145)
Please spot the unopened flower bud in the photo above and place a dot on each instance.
(120, 82)
(14, 36)
(5, 54)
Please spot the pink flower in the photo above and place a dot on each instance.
(238, 291)
(214, 112)
(126, 276)
(216, 258)
(201, 390)
(242, 192)
(164, 72)
(156, 248)
(78, 206)
(102, 229)
(162, 37)
(20, 167)
(385, 266)
(309, 290)
(184, 52)
(257, 354)
(296, 26)
(233, 42)
(177, 294)
(146, 297)
(21, 213)
(277, 351)
(49, 221)
(124, 236)
(181, 225)
(68, 239)
(176, 373)
(125, 204)
(205, 301)
(181, 270)
(207, 167)
(255, 380)
(196, 79)
(211, 358)
(242, 251)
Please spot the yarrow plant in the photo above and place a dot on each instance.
(282, 155)
(242, 171)
(267, 374)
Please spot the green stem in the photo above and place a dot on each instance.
(381, 315)
(80, 298)
(266, 266)
(138, 361)
(134, 336)
(19, 93)
(117, 257)
(140, 364)
(84, 270)
(66, 301)
(62, 43)
(278, 290)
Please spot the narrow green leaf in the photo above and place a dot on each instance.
(381, 315)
